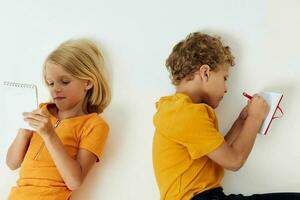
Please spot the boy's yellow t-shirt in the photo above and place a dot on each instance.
(39, 177)
(185, 133)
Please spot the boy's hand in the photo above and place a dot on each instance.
(258, 108)
(40, 122)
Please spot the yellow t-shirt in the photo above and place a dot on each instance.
(39, 177)
(184, 134)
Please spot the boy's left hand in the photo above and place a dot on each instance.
(40, 121)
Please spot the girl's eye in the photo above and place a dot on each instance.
(65, 82)
(50, 84)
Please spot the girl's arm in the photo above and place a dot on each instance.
(17, 150)
(72, 170)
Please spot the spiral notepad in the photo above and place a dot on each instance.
(17, 98)
(273, 99)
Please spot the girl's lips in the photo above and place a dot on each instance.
(59, 98)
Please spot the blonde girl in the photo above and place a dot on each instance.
(69, 135)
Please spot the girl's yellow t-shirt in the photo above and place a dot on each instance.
(184, 134)
(39, 177)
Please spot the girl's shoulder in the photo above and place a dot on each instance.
(94, 123)
(95, 119)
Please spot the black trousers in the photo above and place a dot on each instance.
(218, 194)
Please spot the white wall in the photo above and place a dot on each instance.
(136, 37)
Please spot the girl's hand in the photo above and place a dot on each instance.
(40, 122)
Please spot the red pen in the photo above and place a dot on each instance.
(247, 95)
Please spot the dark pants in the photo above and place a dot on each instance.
(218, 194)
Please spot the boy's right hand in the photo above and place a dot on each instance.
(258, 108)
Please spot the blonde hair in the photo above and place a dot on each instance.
(82, 59)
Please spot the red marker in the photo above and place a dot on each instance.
(247, 95)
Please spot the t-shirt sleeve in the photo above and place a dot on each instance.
(93, 139)
(197, 131)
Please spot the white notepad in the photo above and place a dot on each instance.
(273, 99)
(17, 98)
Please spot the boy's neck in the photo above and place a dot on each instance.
(185, 89)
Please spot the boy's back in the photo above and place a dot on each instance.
(184, 134)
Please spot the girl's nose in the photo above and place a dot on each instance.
(56, 88)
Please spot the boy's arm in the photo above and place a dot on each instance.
(233, 156)
(234, 131)
(236, 127)
(17, 150)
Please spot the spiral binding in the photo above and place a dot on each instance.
(20, 85)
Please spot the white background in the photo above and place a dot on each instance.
(136, 37)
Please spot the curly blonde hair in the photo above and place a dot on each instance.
(194, 51)
(83, 59)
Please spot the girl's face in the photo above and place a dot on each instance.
(67, 91)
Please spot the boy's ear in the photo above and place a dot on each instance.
(88, 85)
(204, 72)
